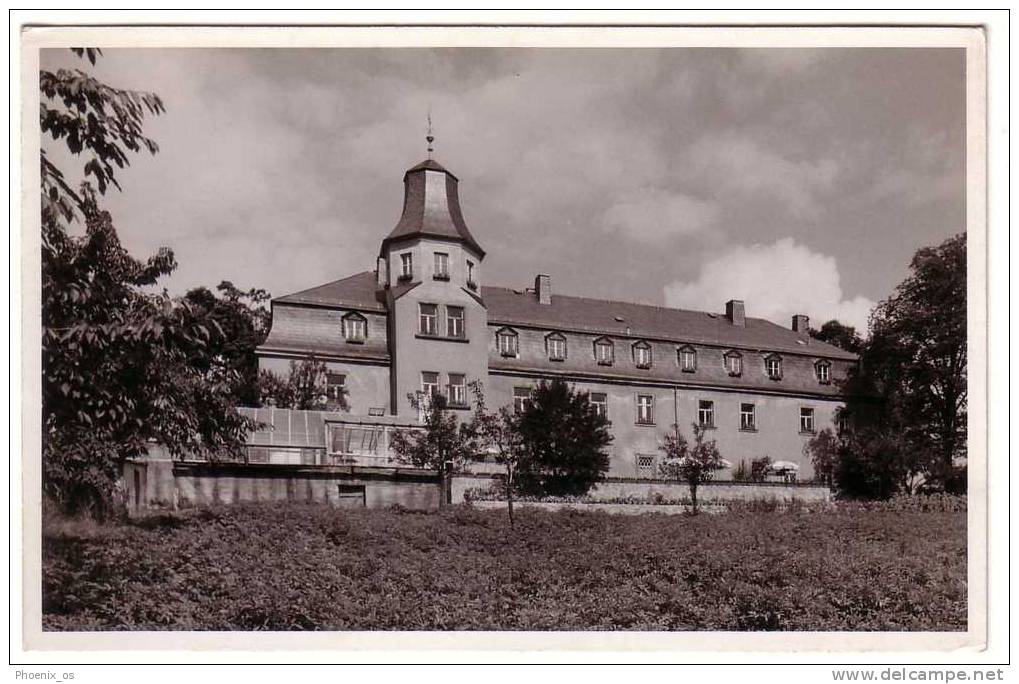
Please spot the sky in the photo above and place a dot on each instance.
(798, 180)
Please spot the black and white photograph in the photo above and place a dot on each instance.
(499, 338)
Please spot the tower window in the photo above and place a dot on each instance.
(441, 266)
(455, 322)
(645, 409)
(706, 413)
(603, 352)
(642, 355)
(406, 266)
(507, 341)
(426, 318)
(555, 345)
(470, 275)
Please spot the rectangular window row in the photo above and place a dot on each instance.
(456, 387)
(440, 270)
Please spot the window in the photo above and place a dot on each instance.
(457, 389)
(687, 359)
(642, 355)
(842, 421)
(555, 345)
(773, 366)
(747, 417)
(336, 388)
(734, 363)
(406, 266)
(600, 402)
(645, 409)
(427, 313)
(355, 328)
(429, 384)
(706, 413)
(507, 340)
(521, 397)
(470, 275)
(455, 322)
(823, 371)
(441, 266)
(604, 352)
(806, 420)
(645, 465)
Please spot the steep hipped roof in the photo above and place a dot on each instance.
(506, 306)
(431, 207)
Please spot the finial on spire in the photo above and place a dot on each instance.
(430, 138)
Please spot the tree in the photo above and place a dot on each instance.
(563, 439)
(305, 388)
(839, 335)
(694, 466)
(242, 319)
(907, 403)
(823, 451)
(499, 432)
(443, 443)
(117, 367)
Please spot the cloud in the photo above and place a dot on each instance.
(751, 171)
(780, 61)
(775, 281)
(653, 215)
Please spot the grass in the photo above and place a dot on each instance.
(306, 567)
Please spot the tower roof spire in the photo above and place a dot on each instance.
(430, 138)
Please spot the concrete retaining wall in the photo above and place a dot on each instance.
(617, 488)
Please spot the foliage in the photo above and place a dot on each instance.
(741, 473)
(242, 318)
(563, 441)
(117, 360)
(759, 468)
(443, 443)
(693, 465)
(839, 335)
(499, 433)
(908, 404)
(823, 451)
(303, 567)
(305, 388)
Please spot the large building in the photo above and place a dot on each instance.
(424, 321)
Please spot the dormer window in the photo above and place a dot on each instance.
(734, 363)
(406, 266)
(355, 328)
(441, 266)
(642, 355)
(555, 345)
(687, 357)
(822, 369)
(604, 351)
(506, 340)
(773, 366)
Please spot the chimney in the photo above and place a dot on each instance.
(543, 288)
(735, 313)
(382, 271)
(801, 324)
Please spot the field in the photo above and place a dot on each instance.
(266, 567)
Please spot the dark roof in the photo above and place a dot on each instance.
(507, 307)
(437, 215)
(359, 291)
